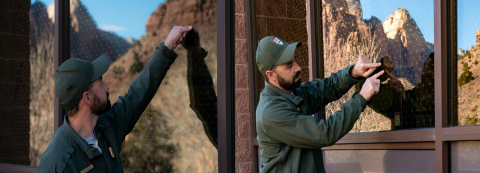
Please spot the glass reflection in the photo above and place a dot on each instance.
(467, 71)
(178, 130)
(26, 81)
(399, 34)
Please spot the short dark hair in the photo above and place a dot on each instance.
(74, 110)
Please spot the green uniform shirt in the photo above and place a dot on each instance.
(289, 137)
(69, 152)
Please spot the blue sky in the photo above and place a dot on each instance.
(123, 17)
(420, 10)
(127, 18)
(468, 22)
(468, 16)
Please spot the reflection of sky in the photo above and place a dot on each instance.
(421, 11)
(126, 18)
(468, 22)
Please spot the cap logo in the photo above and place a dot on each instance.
(277, 41)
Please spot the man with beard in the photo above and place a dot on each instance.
(289, 137)
(93, 131)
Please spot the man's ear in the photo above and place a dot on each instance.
(87, 98)
(271, 75)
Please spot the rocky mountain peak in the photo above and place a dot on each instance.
(74, 4)
(355, 8)
(398, 20)
(78, 13)
(182, 13)
(478, 36)
(337, 5)
(406, 42)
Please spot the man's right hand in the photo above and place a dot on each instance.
(371, 86)
(191, 42)
(176, 36)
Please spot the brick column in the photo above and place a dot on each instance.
(243, 161)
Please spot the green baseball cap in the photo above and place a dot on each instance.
(74, 77)
(273, 51)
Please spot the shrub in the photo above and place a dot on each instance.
(466, 76)
(476, 62)
(467, 55)
(471, 120)
(117, 72)
(137, 65)
(154, 34)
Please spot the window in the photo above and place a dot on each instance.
(467, 94)
(178, 130)
(400, 35)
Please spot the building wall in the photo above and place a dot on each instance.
(243, 158)
(14, 82)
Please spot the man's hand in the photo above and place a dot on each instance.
(363, 67)
(397, 87)
(371, 86)
(176, 36)
(191, 42)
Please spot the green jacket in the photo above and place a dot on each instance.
(289, 137)
(69, 152)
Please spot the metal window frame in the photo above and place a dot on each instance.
(226, 85)
(226, 79)
(438, 138)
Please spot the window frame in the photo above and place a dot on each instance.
(437, 138)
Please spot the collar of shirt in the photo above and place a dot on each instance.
(296, 100)
(87, 148)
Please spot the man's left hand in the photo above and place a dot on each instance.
(363, 67)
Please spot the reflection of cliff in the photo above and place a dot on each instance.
(469, 93)
(149, 149)
(398, 37)
(346, 35)
(193, 152)
(41, 82)
(86, 40)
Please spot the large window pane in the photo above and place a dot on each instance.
(467, 67)
(178, 130)
(26, 81)
(400, 35)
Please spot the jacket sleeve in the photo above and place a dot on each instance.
(286, 125)
(320, 92)
(202, 94)
(128, 108)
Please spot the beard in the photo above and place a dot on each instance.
(289, 85)
(99, 107)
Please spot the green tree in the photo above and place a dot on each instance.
(137, 65)
(471, 120)
(466, 76)
(147, 148)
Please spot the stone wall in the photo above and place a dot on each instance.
(243, 138)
